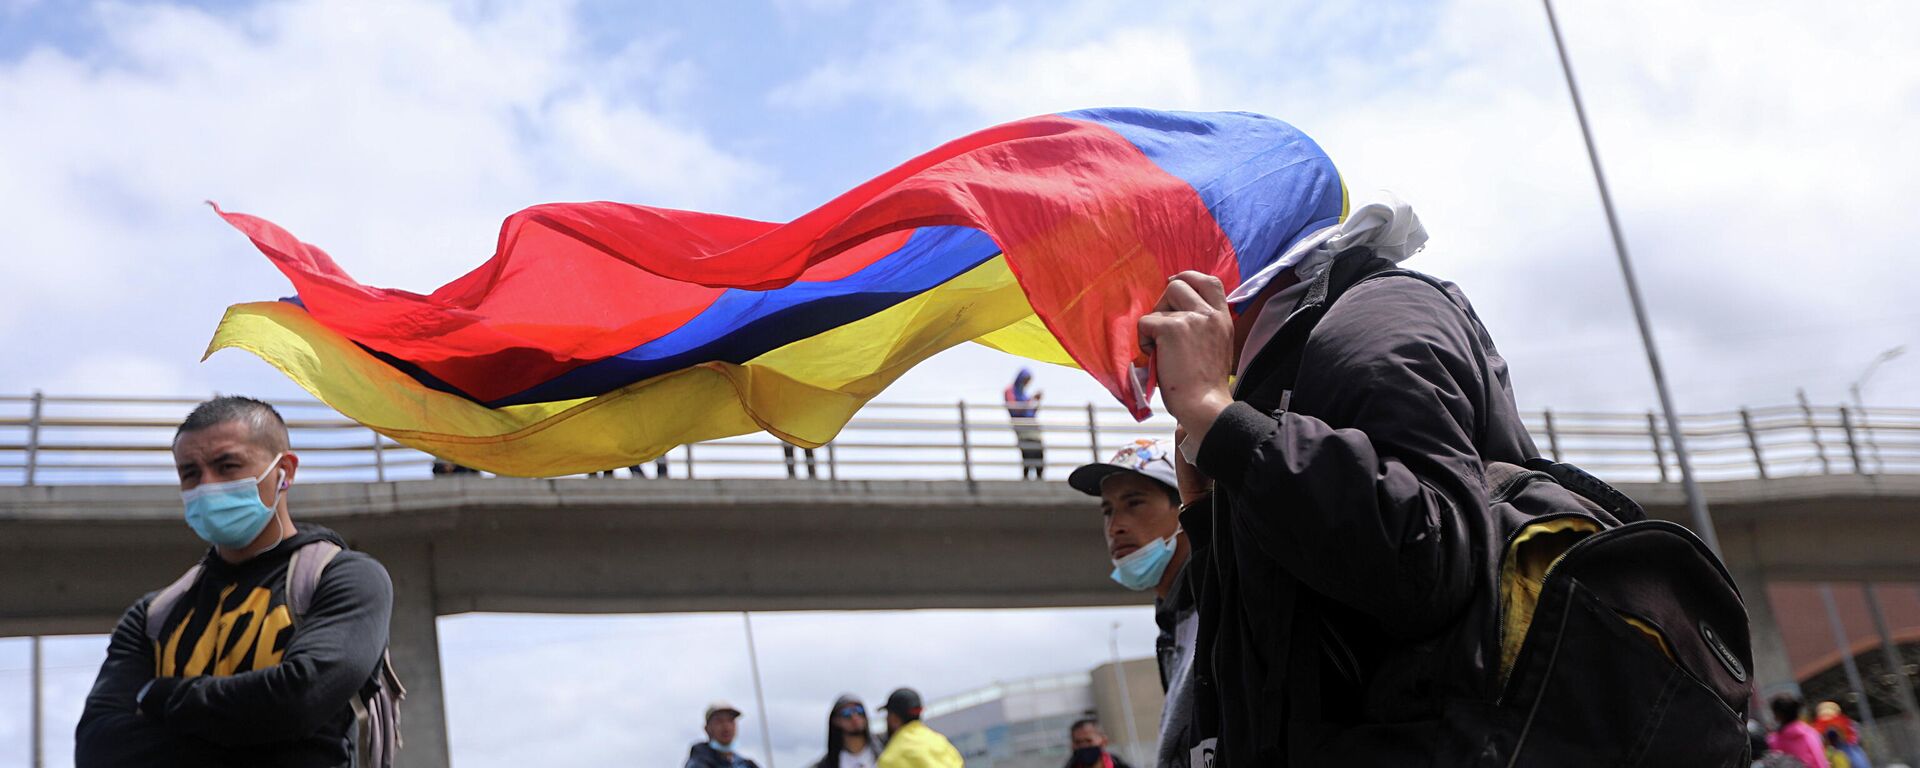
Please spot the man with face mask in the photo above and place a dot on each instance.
(1090, 746)
(231, 673)
(722, 726)
(1140, 503)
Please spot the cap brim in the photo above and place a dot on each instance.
(1087, 479)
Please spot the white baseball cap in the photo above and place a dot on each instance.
(1146, 456)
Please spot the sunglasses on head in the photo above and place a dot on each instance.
(851, 710)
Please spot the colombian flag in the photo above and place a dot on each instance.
(604, 334)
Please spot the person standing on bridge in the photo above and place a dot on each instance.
(910, 743)
(1140, 504)
(722, 726)
(263, 652)
(1023, 408)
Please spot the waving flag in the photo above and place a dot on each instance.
(604, 334)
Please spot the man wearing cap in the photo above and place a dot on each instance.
(910, 743)
(717, 750)
(1140, 502)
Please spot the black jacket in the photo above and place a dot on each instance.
(1344, 564)
(703, 756)
(272, 696)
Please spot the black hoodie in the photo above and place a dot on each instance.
(238, 684)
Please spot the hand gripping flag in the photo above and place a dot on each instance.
(604, 334)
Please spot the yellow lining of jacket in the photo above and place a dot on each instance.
(1531, 554)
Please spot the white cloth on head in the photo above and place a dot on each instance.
(1386, 225)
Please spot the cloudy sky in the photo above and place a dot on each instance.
(1761, 155)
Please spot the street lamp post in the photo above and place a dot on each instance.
(1696, 503)
(1860, 404)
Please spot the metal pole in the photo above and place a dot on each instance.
(33, 436)
(833, 464)
(1659, 456)
(1553, 436)
(39, 745)
(1813, 429)
(1696, 503)
(1853, 446)
(689, 461)
(1873, 446)
(966, 445)
(1093, 433)
(1846, 655)
(1897, 667)
(1126, 699)
(379, 459)
(1860, 407)
(1753, 441)
(759, 695)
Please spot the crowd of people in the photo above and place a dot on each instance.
(1318, 534)
(907, 743)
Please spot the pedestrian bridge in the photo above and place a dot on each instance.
(912, 508)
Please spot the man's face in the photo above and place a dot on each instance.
(851, 718)
(222, 452)
(1137, 510)
(893, 723)
(722, 727)
(1088, 735)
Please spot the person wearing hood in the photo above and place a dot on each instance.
(722, 725)
(1336, 414)
(1023, 408)
(1140, 508)
(232, 674)
(849, 742)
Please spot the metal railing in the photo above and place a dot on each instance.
(47, 440)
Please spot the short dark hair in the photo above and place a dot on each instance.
(269, 430)
(1786, 708)
(1082, 723)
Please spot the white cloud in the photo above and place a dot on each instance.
(396, 135)
(1018, 78)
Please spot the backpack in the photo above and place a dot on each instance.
(1622, 640)
(376, 708)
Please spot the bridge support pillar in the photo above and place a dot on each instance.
(1772, 671)
(415, 642)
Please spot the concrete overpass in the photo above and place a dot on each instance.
(73, 557)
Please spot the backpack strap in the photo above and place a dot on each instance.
(303, 575)
(376, 706)
(164, 601)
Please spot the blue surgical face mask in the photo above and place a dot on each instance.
(1142, 568)
(719, 747)
(231, 514)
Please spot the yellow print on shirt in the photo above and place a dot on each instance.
(218, 651)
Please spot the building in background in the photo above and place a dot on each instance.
(1023, 723)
